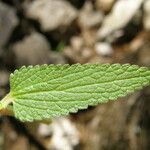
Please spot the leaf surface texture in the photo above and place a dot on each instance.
(47, 91)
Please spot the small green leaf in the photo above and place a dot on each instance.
(48, 91)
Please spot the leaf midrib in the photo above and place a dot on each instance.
(65, 90)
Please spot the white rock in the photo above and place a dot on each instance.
(103, 48)
(51, 13)
(44, 130)
(122, 12)
(88, 17)
(65, 135)
(8, 21)
(146, 20)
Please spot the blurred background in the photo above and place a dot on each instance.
(77, 31)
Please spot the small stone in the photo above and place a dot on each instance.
(77, 43)
(8, 21)
(86, 52)
(146, 20)
(33, 49)
(51, 14)
(44, 130)
(122, 12)
(105, 5)
(88, 17)
(103, 48)
(66, 133)
(4, 78)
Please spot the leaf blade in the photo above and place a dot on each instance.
(42, 92)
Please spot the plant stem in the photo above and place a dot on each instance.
(5, 108)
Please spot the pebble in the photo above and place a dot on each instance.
(88, 17)
(64, 135)
(51, 14)
(33, 49)
(4, 78)
(8, 21)
(146, 20)
(122, 12)
(105, 5)
(103, 48)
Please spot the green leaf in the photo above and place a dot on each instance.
(48, 91)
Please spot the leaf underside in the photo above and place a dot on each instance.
(47, 91)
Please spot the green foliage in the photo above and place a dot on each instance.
(47, 91)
